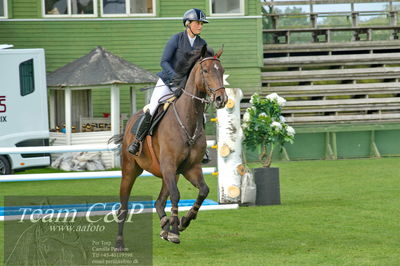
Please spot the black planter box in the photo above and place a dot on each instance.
(267, 183)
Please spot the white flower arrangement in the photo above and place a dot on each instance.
(275, 97)
(290, 130)
(263, 124)
(276, 125)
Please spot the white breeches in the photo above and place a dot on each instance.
(159, 91)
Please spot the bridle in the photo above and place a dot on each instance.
(192, 139)
(212, 91)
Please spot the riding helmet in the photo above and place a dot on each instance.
(194, 14)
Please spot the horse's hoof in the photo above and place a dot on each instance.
(164, 235)
(174, 238)
(181, 227)
(119, 245)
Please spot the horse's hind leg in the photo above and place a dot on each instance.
(195, 176)
(130, 170)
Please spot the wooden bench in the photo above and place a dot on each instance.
(342, 105)
(348, 119)
(338, 103)
(332, 60)
(333, 90)
(357, 33)
(344, 110)
(271, 50)
(352, 74)
(343, 83)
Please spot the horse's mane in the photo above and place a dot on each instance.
(185, 65)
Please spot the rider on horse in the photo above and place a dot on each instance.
(177, 47)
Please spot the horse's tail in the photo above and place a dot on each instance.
(117, 139)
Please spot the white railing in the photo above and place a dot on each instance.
(58, 149)
(68, 148)
(77, 175)
(69, 175)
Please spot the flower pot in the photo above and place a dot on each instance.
(267, 184)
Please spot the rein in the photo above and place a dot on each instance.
(190, 139)
(202, 100)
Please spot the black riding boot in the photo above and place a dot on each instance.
(143, 127)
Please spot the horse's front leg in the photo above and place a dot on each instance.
(195, 176)
(169, 176)
(160, 208)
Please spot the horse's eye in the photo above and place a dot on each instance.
(205, 71)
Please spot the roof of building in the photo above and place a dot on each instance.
(99, 67)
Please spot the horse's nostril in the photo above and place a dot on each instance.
(218, 99)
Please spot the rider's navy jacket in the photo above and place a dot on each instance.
(174, 50)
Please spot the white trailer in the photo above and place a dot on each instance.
(23, 107)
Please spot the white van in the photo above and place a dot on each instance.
(23, 107)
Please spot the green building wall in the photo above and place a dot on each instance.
(141, 41)
(138, 40)
(27, 9)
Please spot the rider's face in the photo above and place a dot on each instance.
(196, 27)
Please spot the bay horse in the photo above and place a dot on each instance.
(178, 144)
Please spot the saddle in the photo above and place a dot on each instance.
(161, 111)
(157, 117)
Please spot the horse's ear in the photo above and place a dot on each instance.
(203, 51)
(219, 53)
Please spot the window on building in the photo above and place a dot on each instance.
(3, 8)
(26, 77)
(114, 7)
(70, 8)
(128, 7)
(227, 7)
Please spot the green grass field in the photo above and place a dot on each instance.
(343, 212)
